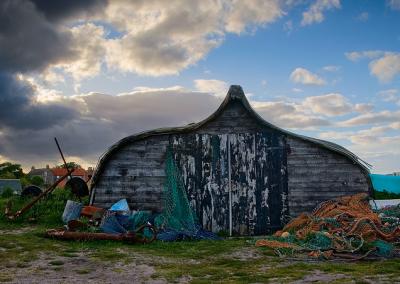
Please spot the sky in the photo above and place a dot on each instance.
(91, 72)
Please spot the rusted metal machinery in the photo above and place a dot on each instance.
(77, 185)
(129, 237)
(79, 188)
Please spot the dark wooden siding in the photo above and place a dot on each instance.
(317, 174)
(258, 179)
(135, 172)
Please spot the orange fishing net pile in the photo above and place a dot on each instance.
(347, 224)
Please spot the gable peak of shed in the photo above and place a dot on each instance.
(236, 93)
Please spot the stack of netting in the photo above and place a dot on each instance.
(345, 227)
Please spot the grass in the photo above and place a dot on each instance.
(228, 261)
(202, 261)
(47, 212)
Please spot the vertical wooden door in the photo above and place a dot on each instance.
(234, 182)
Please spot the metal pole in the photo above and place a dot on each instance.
(229, 185)
(62, 156)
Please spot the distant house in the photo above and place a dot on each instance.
(50, 175)
(45, 173)
(59, 172)
(14, 184)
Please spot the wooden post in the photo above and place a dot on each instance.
(229, 184)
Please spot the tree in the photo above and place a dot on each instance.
(71, 165)
(10, 171)
(37, 180)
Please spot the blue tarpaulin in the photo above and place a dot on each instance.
(121, 205)
(384, 182)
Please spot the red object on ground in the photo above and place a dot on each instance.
(90, 211)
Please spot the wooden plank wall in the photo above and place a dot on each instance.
(135, 172)
(317, 174)
(258, 179)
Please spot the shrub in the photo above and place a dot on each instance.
(385, 195)
(47, 211)
(7, 192)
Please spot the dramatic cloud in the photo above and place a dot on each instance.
(146, 37)
(330, 104)
(90, 52)
(251, 13)
(102, 120)
(178, 37)
(28, 41)
(56, 40)
(20, 110)
(61, 9)
(303, 76)
(315, 13)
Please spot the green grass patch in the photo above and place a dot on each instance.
(199, 261)
(47, 212)
(82, 271)
(56, 262)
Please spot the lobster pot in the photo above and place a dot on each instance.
(72, 211)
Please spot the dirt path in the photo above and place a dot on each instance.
(79, 268)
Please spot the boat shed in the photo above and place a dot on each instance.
(241, 173)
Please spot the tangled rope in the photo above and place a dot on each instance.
(345, 227)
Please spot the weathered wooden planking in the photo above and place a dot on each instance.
(258, 179)
(136, 172)
(203, 164)
(234, 119)
(317, 174)
(272, 181)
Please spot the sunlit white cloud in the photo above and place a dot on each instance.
(315, 13)
(372, 118)
(386, 67)
(216, 87)
(332, 104)
(305, 77)
(358, 55)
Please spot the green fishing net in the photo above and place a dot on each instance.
(177, 213)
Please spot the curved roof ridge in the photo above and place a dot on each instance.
(235, 92)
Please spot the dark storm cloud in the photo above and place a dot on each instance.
(18, 110)
(61, 9)
(106, 119)
(28, 41)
